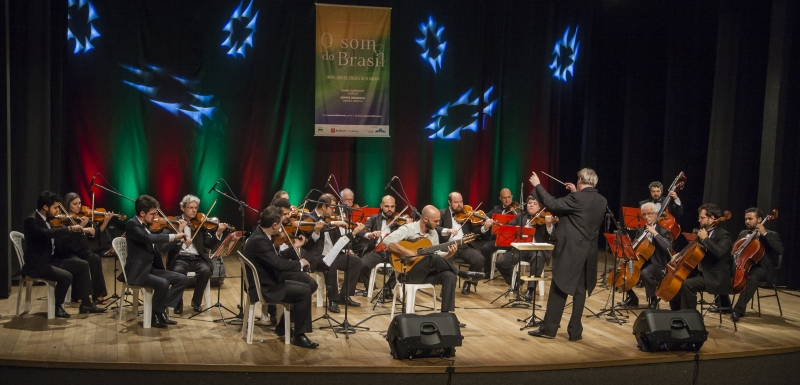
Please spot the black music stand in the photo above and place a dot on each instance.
(224, 249)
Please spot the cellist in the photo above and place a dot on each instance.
(713, 274)
(652, 269)
(762, 271)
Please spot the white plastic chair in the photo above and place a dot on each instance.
(320, 277)
(495, 255)
(250, 309)
(540, 284)
(120, 245)
(206, 292)
(411, 296)
(16, 239)
(373, 274)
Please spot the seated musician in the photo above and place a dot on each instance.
(39, 249)
(450, 230)
(76, 245)
(278, 195)
(434, 269)
(282, 279)
(656, 189)
(763, 271)
(488, 248)
(713, 274)
(322, 242)
(653, 268)
(375, 228)
(143, 257)
(185, 257)
(538, 259)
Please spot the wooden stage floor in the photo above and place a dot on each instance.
(493, 341)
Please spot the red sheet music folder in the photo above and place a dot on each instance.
(626, 245)
(502, 219)
(364, 214)
(509, 234)
(632, 218)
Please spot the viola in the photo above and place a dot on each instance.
(513, 208)
(211, 223)
(747, 251)
(161, 223)
(683, 263)
(99, 214)
(63, 220)
(476, 217)
(665, 219)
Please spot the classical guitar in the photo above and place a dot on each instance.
(423, 249)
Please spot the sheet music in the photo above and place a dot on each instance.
(331, 256)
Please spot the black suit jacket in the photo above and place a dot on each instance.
(717, 265)
(203, 241)
(580, 217)
(772, 249)
(269, 265)
(661, 256)
(364, 244)
(38, 245)
(142, 253)
(468, 228)
(674, 208)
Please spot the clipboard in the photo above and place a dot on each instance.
(228, 244)
(632, 218)
(506, 235)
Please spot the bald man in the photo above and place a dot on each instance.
(433, 269)
(488, 248)
(450, 230)
(377, 228)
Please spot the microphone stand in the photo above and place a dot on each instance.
(238, 318)
(114, 297)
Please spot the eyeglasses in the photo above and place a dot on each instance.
(648, 214)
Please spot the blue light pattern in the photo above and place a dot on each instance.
(561, 66)
(246, 16)
(473, 109)
(82, 43)
(435, 35)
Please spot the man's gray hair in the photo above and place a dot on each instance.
(346, 191)
(189, 199)
(588, 176)
(651, 205)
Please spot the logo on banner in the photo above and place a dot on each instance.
(241, 29)
(80, 25)
(432, 42)
(566, 54)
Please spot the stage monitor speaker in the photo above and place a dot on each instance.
(657, 330)
(430, 335)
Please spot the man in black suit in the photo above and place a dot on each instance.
(323, 242)
(143, 257)
(580, 215)
(40, 247)
(538, 259)
(488, 248)
(656, 197)
(281, 277)
(450, 230)
(183, 258)
(713, 274)
(377, 227)
(652, 269)
(763, 271)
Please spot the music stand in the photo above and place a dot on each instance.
(225, 248)
(363, 215)
(632, 218)
(502, 220)
(689, 236)
(506, 236)
(622, 249)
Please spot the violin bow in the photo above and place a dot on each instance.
(535, 216)
(91, 217)
(64, 210)
(205, 216)
(167, 220)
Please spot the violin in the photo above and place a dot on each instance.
(63, 220)
(296, 213)
(513, 208)
(98, 215)
(541, 218)
(339, 218)
(211, 223)
(683, 263)
(305, 225)
(665, 219)
(161, 223)
(399, 219)
(747, 251)
(476, 217)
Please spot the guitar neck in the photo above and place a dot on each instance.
(439, 247)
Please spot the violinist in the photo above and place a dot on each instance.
(713, 274)
(76, 245)
(184, 257)
(278, 195)
(507, 206)
(653, 268)
(451, 230)
(538, 259)
(40, 239)
(376, 228)
(656, 197)
(323, 242)
(763, 271)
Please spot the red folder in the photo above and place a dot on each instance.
(632, 218)
(502, 219)
(506, 235)
(627, 246)
(364, 214)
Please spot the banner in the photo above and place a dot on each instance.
(352, 71)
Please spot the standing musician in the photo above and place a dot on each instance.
(183, 257)
(450, 230)
(281, 277)
(542, 234)
(763, 271)
(143, 255)
(375, 228)
(433, 269)
(322, 242)
(39, 250)
(580, 214)
(713, 274)
(505, 207)
(653, 268)
(76, 245)
(656, 188)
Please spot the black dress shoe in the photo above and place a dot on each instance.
(333, 307)
(178, 310)
(281, 331)
(735, 316)
(717, 310)
(475, 275)
(465, 289)
(387, 293)
(197, 308)
(630, 302)
(528, 295)
(302, 341)
(350, 302)
(90, 309)
(156, 322)
(61, 313)
(540, 333)
(576, 338)
(165, 319)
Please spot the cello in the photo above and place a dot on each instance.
(747, 252)
(683, 263)
(642, 251)
(665, 219)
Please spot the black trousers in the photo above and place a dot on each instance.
(556, 302)
(332, 275)
(167, 288)
(62, 277)
(98, 281)
(472, 257)
(202, 275)
(81, 281)
(687, 296)
(298, 295)
(651, 277)
(487, 249)
(436, 270)
(757, 275)
(369, 261)
(509, 260)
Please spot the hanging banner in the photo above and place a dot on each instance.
(352, 71)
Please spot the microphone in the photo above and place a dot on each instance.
(93, 177)
(630, 266)
(215, 186)
(329, 180)
(390, 182)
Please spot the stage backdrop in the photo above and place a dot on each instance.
(352, 82)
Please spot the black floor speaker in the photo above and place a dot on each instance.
(657, 330)
(429, 335)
